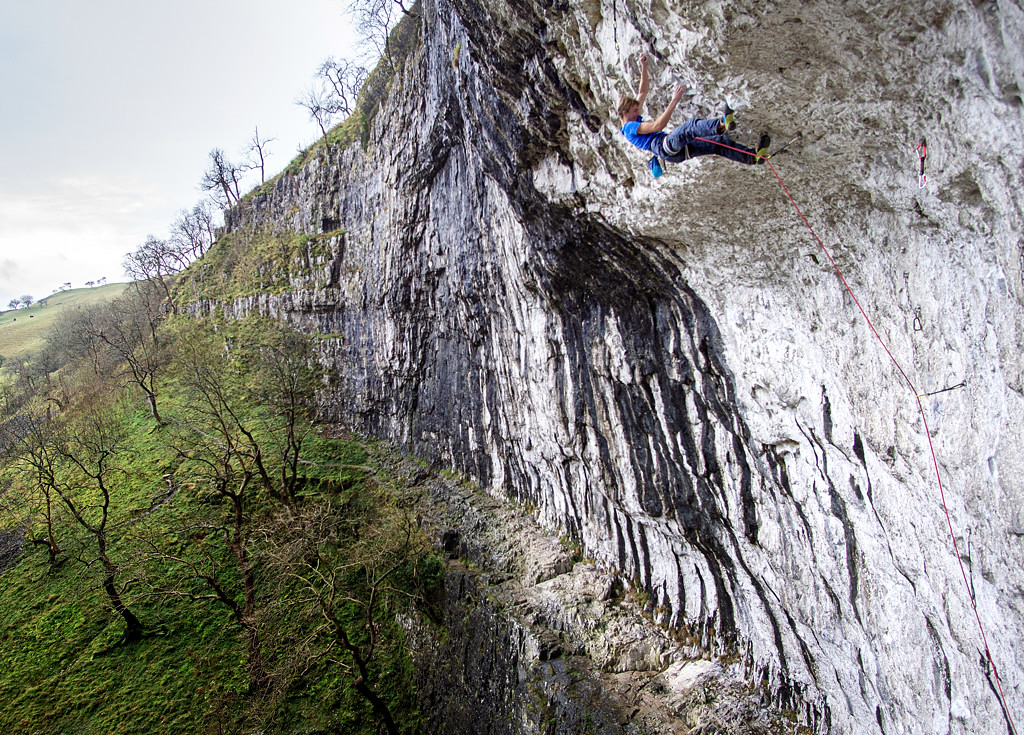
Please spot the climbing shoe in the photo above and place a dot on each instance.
(728, 117)
(762, 147)
(655, 165)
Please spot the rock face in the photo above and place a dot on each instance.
(670, 370)
(538, 638)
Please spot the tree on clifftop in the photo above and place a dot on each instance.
(375, 19)
(258, 154)
(333, 92)
(222, 178)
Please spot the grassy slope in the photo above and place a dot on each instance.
(63, 669)
(22, 330)
(60, 669)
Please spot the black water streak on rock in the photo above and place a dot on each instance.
(943, 680)
(826, 415)
(780, 478)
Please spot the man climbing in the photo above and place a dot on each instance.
(682, 143)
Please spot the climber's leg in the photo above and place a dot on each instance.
(685, 133)
(723, 145)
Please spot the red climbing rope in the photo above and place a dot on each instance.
(920, 407)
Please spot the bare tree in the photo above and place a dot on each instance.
(222, 178)
(128, 327)
(117, 340)
(354, 564)
(35, 453)
(333, 92)
(27, 300)
(342, 79)
(14, 303)
(257, 154)
(318, 104)
(27, 374)
(87, 445)
(220, 449)
(157, 261)
(375, 19)
(193, 230)
(283, 379)
(74, 337)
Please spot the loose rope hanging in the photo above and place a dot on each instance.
(920, 407)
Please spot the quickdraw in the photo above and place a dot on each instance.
(922, 153)
(961, 384)
(786, 145)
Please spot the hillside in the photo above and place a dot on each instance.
(124, 607)
(733, 450)
(672, 371)
(22, 331)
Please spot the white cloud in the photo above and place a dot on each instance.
(115, 105)
(73, 229)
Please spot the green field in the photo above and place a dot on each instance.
(22, 331)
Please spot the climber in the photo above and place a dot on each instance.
(682, 144)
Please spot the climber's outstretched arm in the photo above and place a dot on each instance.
(662, 122)
(645, 82)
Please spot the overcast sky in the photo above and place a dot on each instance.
(109, 109)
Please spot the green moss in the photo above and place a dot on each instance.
(255, 261)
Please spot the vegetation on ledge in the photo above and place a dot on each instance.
(250, 261)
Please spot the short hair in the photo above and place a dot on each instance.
(625, 102)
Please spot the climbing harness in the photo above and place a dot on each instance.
(988, 659)
(922, 153)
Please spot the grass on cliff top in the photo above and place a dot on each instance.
(22, 331)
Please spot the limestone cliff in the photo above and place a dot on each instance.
(669, 369)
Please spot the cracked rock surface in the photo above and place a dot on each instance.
(537, 638)
(670, 371)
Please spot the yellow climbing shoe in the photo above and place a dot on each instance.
(762, 148)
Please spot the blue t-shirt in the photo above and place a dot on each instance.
(642, 141)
